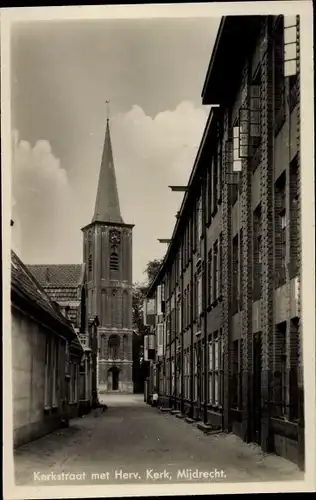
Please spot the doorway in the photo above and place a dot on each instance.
(257, 346)
(113, 379)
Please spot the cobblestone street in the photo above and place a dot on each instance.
(133, 442)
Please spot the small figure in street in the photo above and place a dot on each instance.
(155, 398)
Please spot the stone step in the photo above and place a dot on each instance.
(189, 420)
(165, 410)
(204, 427)
(180, 415)
(175, 412)
(208, 429)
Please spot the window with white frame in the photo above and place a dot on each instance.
(195, 367)
(215, 275)
(179, 317)
(195, 298)
(199, 219)
(255, 114)
(200, 295)
(215, 370)
(160, 339)
(71, 382)
(172, 376)
(48, 374)
(158, 299)
(210, 372)
(237, 165)
(187, 374)
(217, 270)
(290, 45)
(180, 260)
(76, 369)
(209, 279)
(55, 373)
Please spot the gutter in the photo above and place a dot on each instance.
(186, 197)
(205, 299)
(20, 299)
(213, 56)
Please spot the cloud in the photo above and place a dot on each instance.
(41, 203)
(149, 154)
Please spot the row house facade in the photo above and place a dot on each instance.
(66, 286)
(46, 357)
(229, 348)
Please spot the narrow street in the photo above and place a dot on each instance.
(131, 442)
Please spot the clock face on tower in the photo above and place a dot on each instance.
(115, 236)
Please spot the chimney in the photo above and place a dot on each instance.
(11, 222)
(47, 275)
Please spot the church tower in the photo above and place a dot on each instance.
(107, 253)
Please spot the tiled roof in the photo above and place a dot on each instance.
(24, 282)
(57, 275)
(60, 282)
(62, 294)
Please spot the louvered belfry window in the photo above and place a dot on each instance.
(114, 262)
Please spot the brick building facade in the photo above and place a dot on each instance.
(107, 253)
(229, 288)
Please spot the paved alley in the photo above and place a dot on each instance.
(132, 442)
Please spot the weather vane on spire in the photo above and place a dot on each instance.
(107, 110)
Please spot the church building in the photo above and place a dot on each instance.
(107, 253)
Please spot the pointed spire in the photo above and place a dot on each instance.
(107, 205)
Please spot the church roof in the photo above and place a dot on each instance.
(107, 205)
(57, 275)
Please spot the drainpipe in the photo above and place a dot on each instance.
(170, 330)
(182, 326)
(191, 322)
(175, 341)
(204, 268)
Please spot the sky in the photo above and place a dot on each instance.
(62, 72)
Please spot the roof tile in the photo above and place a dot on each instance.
(57, 275)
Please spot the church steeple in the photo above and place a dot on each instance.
(107, 205)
